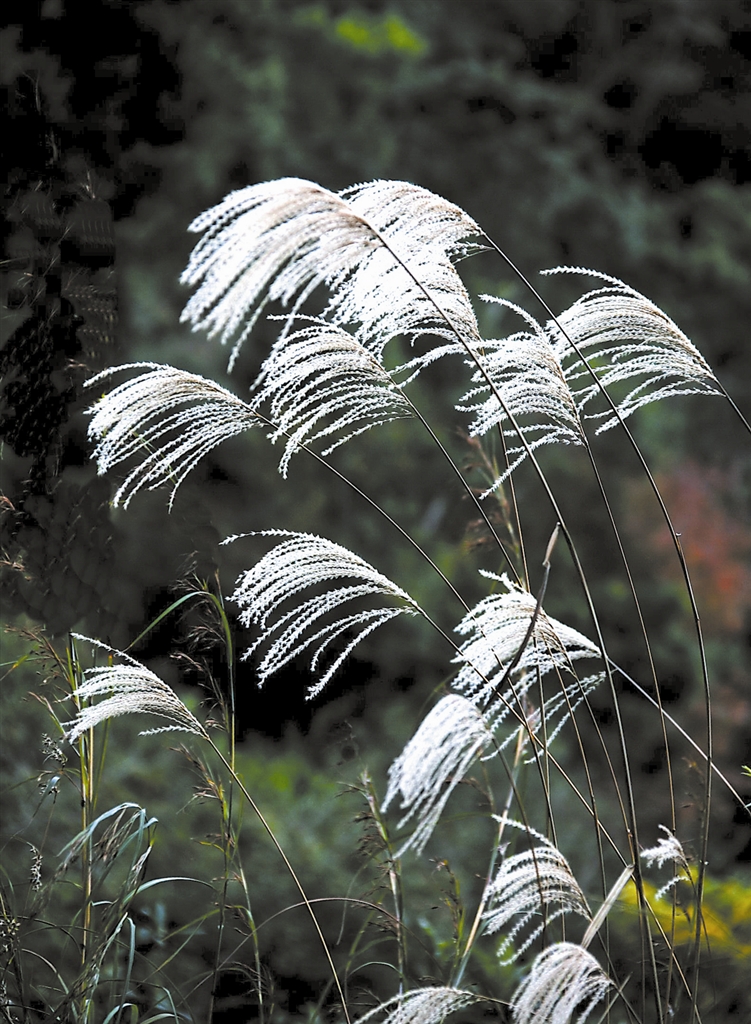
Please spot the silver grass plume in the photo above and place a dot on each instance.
(556, 711)
(132, 689)
(279, 240)
(462, 726)
(320, 382)
(408, 286)
(532, 884)
(496, 628)
(168, 418)
(423, 1006)
(562, 977)
(668, 849)
(521, 375)
(434, 762)
(625, 337)
(268, 595)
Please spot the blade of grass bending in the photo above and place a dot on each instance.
(607, 905)
(163, 615)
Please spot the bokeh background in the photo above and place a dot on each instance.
(611, 134)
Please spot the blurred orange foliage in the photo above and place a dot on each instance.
(716, 542)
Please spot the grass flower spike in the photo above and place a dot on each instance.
(408, 285)
(522, 375)
(272, 241)
(320, 382)
(267, 595)
(423, 1006)
(434, 762)
(563, 977)
(625, 337)
(132, 689)
(496, 628)
(279, 240)
(668, 849)
(169, 419)
(537, 883)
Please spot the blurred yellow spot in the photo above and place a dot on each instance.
(726, 912)
(378, 35)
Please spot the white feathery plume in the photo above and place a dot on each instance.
(167, 417)
(270, 241)
(497, 626)
(299, 562)
(563, 977)
(434, 762)
(625, 337)
(534, 883)
(527, 382)
(668, 850)
(132, 689)
(279, 240)
(408, 286)
(320, 382)
(423, 1006)
(519, 376)
(556, 710)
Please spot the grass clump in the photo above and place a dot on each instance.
(515, 737)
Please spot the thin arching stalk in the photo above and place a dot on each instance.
(472, 496)
(86, 762)
(514, 531)
(515, 506)
(227, 808)
(241, 786)
(631, 826)
(734, 407)
(689, 590)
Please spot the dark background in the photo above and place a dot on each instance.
(596, 133)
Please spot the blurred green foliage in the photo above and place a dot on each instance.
(606, 134)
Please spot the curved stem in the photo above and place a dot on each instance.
(734, 407)
(227, 807)
(473, 497)
(289, 867)
(689, 589)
